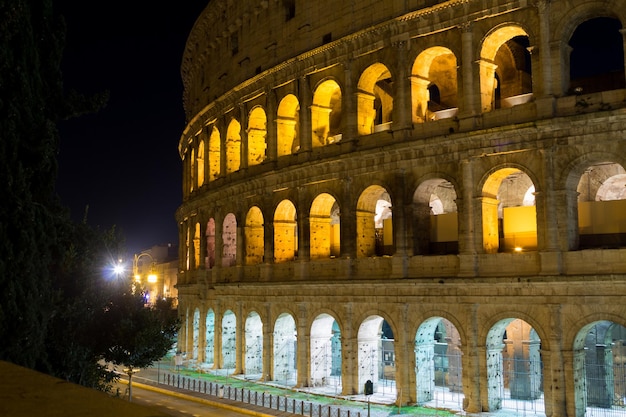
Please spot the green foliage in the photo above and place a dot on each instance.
(137, 335)
(30, 215)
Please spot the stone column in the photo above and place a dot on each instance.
(202, 335)
(473, 361)
(402, 97)
(495, 371)
(349, 106)
(349, 355)
(420, 95)
(271, 125)
(545, 88)
(239, 340)
(268, 342)
(303, 343)
(217, 352)
(348, 222)
(243, 157)
(467, 68)
(306, 101)
(575, 392)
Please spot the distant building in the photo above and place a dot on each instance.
(428, 195)
(157, 271)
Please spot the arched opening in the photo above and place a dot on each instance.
(324, 226)
(438, 365)
(326, 353)
(210, 244)
(209, 347)
(600, 370)
(200, 163)
(233, 147)
(285, 232)
(196, 247)
(514, 367)
(257, 134)
(377, 361)
(254, 237)
(434, 85)
(374, 229)
(288, 126)
(509, 213)
(435, 218)
(598, 41)
(602, 206)
(253, 366)
(229, 342)
(374, 100)
(229, 240)
(192, 170)
(326, 114)
(285, 342)
(215, 149)
(505, 68)
(196, 334)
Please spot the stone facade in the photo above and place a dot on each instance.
(372, 187)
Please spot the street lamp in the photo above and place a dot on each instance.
(152, 277)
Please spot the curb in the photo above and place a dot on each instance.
(198, 400)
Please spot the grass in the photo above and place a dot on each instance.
(305, 396)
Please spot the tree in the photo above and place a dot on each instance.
(137, 334)
(30, 214)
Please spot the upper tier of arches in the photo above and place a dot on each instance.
(423, 86)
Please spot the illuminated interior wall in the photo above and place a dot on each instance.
(366, 234)
(229, 240)
(233, 147)
(602, 217)
(520, 227)
(287, 126)
(210, 244)
(257, 134)
(490, 225)
(444, 227)
(200, 163)
(196, 246)
(214, 154)
(254, 236)
(325, 113)
(285, 232)
(366, 114)
(320, 237)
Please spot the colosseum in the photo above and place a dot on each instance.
(428, 195)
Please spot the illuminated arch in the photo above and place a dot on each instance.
(435, 218)
(326, 114)
(374, 231)
(505, 68)
(287, 125)
(257, 134)
(200, 163)
(215, 156)
(210, 243)
(324, 221)
(374, 99)
(253, 333)
(434, 70)
(285, 232)
(229, 240)
(233, 147)
(254, 236)
(508, 212)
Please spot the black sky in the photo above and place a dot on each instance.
(123, 161)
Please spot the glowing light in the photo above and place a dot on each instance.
(118, 269)
(152, 278)
(138, 278)
(518, 249)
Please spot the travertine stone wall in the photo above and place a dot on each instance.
(324, 140)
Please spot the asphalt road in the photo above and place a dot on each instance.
(178, 407)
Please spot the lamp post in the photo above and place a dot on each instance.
(152, 277)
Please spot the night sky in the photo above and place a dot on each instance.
(123, 162)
